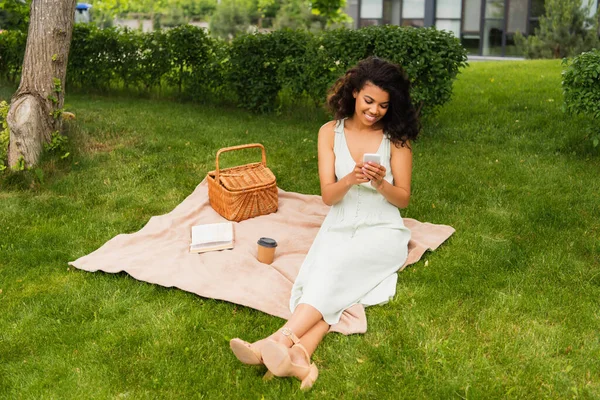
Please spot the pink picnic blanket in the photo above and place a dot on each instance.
(159, 253)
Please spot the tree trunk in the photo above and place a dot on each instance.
(557, 51)
(36, 106)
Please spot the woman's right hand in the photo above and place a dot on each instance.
(356, 177)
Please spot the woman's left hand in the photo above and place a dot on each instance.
(375, 173)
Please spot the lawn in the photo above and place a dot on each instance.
(509, 307)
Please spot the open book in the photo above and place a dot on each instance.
(210, 237)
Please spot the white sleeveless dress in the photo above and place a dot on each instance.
(359, 248)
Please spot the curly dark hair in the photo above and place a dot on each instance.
(401, 121)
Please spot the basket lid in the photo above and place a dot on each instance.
(245, 177)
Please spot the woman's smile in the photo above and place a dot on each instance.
(371, 118)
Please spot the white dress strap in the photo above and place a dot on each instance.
(339, 126)
(338, 139)
(386, 148)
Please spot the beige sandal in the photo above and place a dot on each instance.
(276, 358)
(245, 352)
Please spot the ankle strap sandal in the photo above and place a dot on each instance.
(287, 332)
(276, 357)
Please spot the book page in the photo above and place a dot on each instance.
(212, 235)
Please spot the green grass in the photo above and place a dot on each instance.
(509, 307)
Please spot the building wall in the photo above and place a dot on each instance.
(485, 27)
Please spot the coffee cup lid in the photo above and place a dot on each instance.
(267, 242)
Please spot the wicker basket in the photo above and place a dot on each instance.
(243, 192)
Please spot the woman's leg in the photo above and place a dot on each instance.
(304, 318)
(301, 323)
(310, 340)
(281, 360)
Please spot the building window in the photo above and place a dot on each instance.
(371, 9)
(369, 22)
(517, 22)
(537, 10)
(449, 25)
(472, 16)
(448, 14)
(413, 9)
(494, 9)
(371, 12)
(493, 27)
(517, 16)
(413, 13)
(471, 26)
(417, 23)
(449, 9)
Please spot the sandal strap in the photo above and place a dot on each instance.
(301, 346)
(287, 332)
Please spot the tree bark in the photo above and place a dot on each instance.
(35, 107)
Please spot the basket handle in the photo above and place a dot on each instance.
(240, 147)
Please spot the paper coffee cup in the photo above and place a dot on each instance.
(266, 250)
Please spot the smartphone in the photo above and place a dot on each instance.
(372, 157)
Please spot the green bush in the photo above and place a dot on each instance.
(256, 61)
(217, 73)
(155, 57)
(565, 30)
(94, 56)
(255, 69)
(581, 87)
(12, 50)
(101, 58)
(306, 64)
(4, 134)
(431, 58)
(14, 15)
(195, 61)
(184, 57)
(327, 56)
(126, 50)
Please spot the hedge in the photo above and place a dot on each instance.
(180, 57)
(430, 57)
(12, 50)
(254, 69)
(258, 66)
(581, 86)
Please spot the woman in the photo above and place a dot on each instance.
(363, 241)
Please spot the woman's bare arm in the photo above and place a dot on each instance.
(401, 163)
(332, 190)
